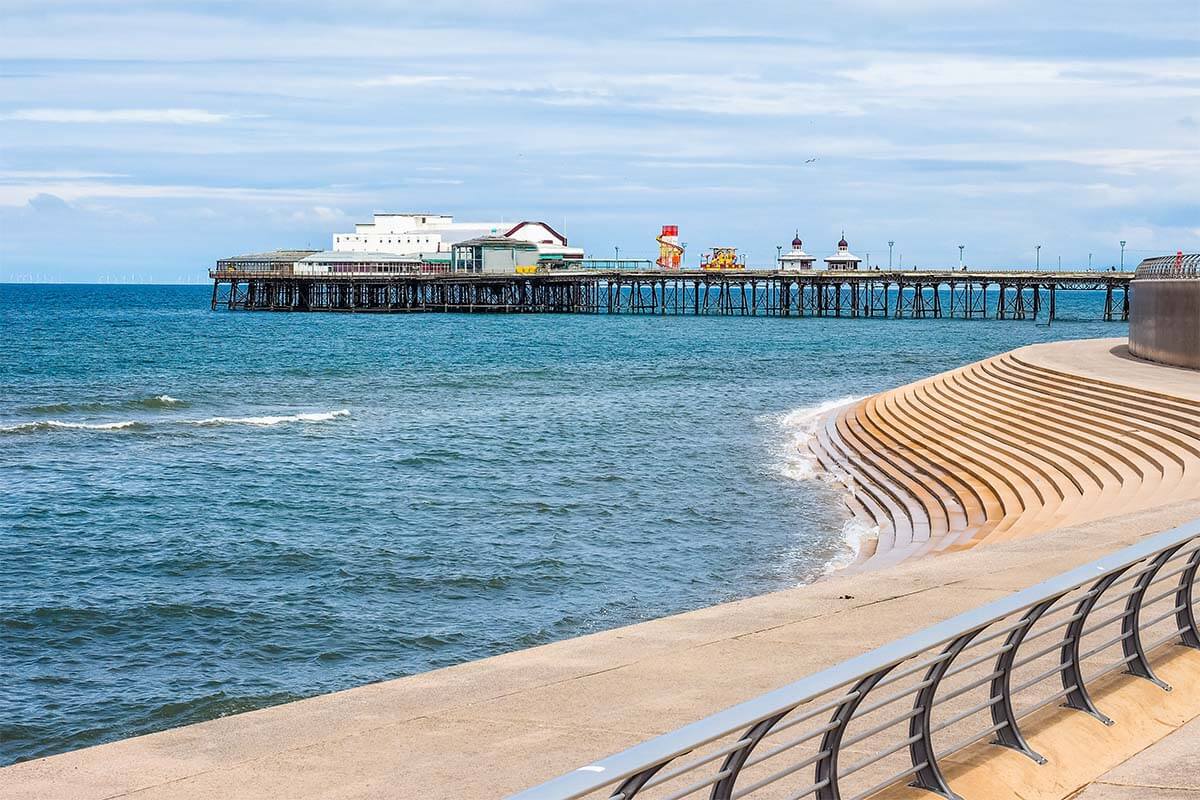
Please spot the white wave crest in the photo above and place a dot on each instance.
(167, 400)
(54, 424)
(797, 461)
(321, 416)
(855, 533)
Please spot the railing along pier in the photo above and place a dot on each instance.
(896, 713)
(1008, 295)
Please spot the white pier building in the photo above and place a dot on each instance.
(428, 235)
(843, 258)
(796, 258)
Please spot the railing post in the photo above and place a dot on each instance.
(831, 742)
(1071, 672)
(1185, 617)
(723, 789)
(929, 776)
(634, 783)
(1131, 628)
(1001, 689)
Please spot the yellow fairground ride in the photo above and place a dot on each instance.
(722, 258)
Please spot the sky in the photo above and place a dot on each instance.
(142, 140)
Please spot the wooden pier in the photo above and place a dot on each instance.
(897, 294)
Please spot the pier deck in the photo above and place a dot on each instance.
(893, 294)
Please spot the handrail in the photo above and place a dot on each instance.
(836, 698)
(1180, 265)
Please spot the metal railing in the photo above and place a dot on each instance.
(1180, 265)
(894, 713)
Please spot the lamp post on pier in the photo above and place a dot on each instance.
(778, 255)
(890, 245)
(617, 258)
(1037, 255)
(960, 256)
(1089, 262)
(1122, 255)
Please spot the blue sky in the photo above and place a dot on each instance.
(143, 140)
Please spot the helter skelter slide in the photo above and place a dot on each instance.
(670, 251)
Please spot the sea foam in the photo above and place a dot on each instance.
(162, 401)
(800, 426)
(855, 533)
(54, 424)
(261, 421)
(158, 401)
(321, 416)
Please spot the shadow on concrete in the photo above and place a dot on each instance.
(1122, 351)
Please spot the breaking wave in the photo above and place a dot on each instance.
(322, 416)
(797, 461)
(54, 424)
(158, 401)
(161, 401)
(855, 534)
(133, 424)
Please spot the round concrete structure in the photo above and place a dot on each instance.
(1164, 320)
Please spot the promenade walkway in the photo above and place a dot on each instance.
(1167, 770)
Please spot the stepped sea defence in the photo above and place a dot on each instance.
(1010, 447)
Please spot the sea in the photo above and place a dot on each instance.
(204, 513)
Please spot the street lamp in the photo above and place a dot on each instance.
(960, 255)
(890, 245)
(617, 260)
(778, 255)
(1122, 255)
(1089, 262)
(1037, 254)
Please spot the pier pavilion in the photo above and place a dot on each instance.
(796, 259)
(843, 258)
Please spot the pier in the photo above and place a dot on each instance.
(892, 294)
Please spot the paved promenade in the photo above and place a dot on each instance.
(490, 727)
(1168, 770)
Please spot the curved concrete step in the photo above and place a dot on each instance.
(1005, 448)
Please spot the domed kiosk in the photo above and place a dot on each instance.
(843, 258)
(796, 259)
(1164, 310)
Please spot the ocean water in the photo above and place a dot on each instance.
(205, 513)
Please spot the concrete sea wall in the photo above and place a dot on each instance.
(1164, 321)
(1042, 437)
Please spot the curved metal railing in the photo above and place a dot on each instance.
(894, 713)
(1180, 265)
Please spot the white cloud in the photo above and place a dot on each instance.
(157, 116)
(408, 80)
(315, 215)
(54, 174)
(20, 194)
